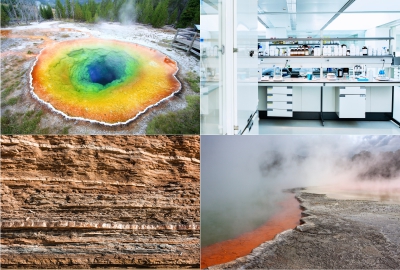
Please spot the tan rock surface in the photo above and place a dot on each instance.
(100, 201)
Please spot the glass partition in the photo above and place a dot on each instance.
(211, 82)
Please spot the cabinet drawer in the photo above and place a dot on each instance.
(351, 106)
(279, 105)
(280, 90)
(279, 97)
(280, 113)
(352, 90)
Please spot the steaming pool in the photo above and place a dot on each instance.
(232, 245)
(104, 81)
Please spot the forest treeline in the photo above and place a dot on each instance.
(181, 13)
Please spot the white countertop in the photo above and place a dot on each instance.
(326, 81)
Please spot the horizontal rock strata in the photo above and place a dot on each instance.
(100, 201)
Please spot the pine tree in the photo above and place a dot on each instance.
(42, 12)
(173, 17)
(178, 5)
(189, 16)
(60, 10)
(46, 12)
(92, 7)
(103, 9)
(88, 15)
(49, 12)
(147, 11)
(160, 16)
(117, 7)
(139, 11)
(5, 19)
(68, 12)
(78, 12)
(96, 18)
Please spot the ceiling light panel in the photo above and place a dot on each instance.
(373, 5)
(302, 5)
(320, 6)
(273, 6)
(291, 6)
(361, 21)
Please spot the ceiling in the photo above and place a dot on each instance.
(303, 18)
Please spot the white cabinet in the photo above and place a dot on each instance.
(328, 100)
(350, 102)
(381, 99)
(310, 99)
(280, 101)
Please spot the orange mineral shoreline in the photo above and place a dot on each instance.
(229, 250)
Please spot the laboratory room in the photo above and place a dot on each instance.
(300, 67)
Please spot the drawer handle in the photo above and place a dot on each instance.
(289, 95)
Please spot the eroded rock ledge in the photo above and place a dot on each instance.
(100, 201)
(348, 234)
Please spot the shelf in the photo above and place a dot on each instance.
(345, 57)
(309, 44)
(319, 39)
(288, 39)
(365, 38)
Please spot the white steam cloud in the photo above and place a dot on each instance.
(242, 177)
(127, 13)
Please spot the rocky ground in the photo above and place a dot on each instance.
(20, 46)
(100, 201)
(335, 234)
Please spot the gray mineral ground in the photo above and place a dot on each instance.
(335, 234)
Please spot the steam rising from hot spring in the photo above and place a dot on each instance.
(127, 13)
(243, 176)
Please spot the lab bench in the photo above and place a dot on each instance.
(323, 99)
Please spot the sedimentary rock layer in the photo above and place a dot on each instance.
(335, 234)
(100, 201)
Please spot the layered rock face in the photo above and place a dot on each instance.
(100, 201)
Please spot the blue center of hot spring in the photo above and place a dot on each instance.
(94, 70)
(100, 72)
(106, 69)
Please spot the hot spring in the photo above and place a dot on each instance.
(105, 81)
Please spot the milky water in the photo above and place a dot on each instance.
(243, 177)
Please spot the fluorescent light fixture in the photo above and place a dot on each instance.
(291, 7)
(390, 24)
(361, 21)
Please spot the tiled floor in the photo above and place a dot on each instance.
(271, 126)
